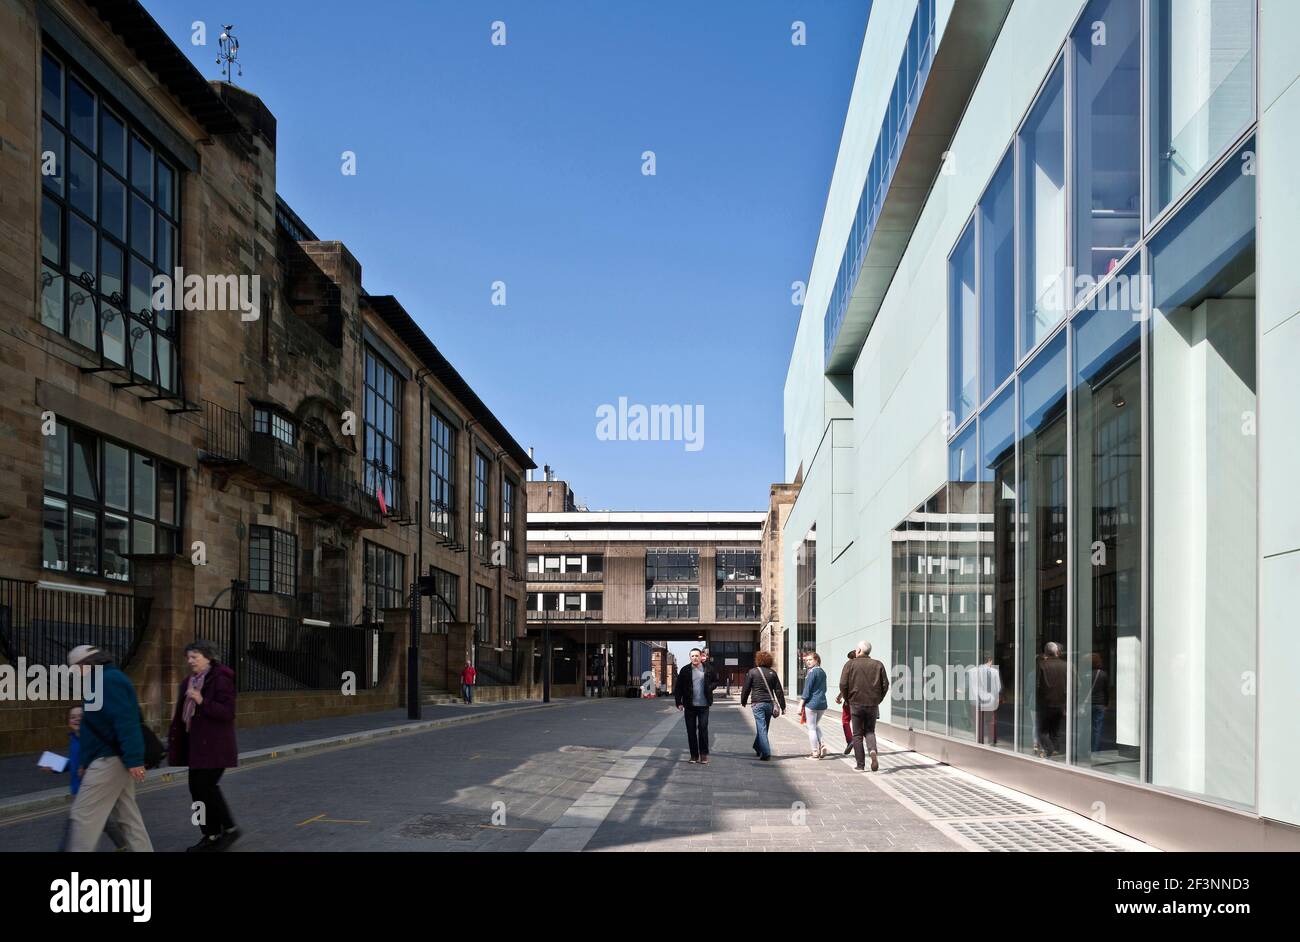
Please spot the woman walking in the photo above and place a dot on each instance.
(764, 687)
(202, 738)
(814, 702)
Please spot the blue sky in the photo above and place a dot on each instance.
(523, 164)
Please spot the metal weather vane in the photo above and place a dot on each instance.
(229, 52)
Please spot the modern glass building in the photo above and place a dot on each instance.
(1043, 397)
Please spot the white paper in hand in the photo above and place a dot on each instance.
(52, 760)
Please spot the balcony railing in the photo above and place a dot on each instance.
(228, 441)
(565, 615)
(42, 625)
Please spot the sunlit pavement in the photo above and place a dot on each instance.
(604, 775)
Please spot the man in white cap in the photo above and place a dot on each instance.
(112, 754)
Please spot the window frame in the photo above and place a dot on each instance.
(279, 545)
(98, 503)
(162, 163)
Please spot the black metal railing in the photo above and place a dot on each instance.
(228, 439)
(563, 615)
(42, 624)
(496, 666)
(279, 653)
(445, 522)
(553, 576)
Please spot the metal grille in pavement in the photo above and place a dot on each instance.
(1030, 834)
(985, 816)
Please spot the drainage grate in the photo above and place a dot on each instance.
(1033, 834)
(444, 827)
(944, 796)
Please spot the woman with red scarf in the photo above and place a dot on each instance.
(202, 738)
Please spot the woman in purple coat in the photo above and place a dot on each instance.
(203, 739)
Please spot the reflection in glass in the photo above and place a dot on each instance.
(962, 331)
(1043, 288)
(936, 613)
(1044, 633)
(997, 514)
(916, 654)
(1201, 87)
(1204, 513)
(997, 213)
(1107, 134)
(963, 575)
(899, 689)
(1107, 471)
(85, 543)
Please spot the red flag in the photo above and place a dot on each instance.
(383, 504)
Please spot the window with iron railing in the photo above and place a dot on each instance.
(110, 223)
(482, 531)
(442, 475)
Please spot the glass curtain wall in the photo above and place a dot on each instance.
(1202, 64)
(1042, 206)
(1113, 494)
(936, 613)
(1106, 384)
(997, 502)
(964, 563)
(1041, 494)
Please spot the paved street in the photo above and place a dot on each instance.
(604, 775)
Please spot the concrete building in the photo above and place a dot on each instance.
(269, 465)
(1042, 402)
(598, 581)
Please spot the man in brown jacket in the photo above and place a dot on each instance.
(863, 685)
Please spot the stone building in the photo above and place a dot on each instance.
(266, 455)
(775, 634)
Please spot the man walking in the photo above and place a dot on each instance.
(693, 693)
(1050, 700)
(112, 755)
(863, 685)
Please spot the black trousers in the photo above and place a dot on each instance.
(1051, 734)
(863, 720)
(697, 730)
(204, 788)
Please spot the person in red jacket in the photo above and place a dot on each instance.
(467, 677)
(845, 718)
(202, 739)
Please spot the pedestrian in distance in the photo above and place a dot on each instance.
(863, 685)
(111, 758)
(693, 694)
(467, 678)
(202, 739)
(846, 718)
(764, 687)
(813, 704)
(73, 768)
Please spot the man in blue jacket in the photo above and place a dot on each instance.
(112, 757)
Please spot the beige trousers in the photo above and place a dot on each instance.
(106, 788)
